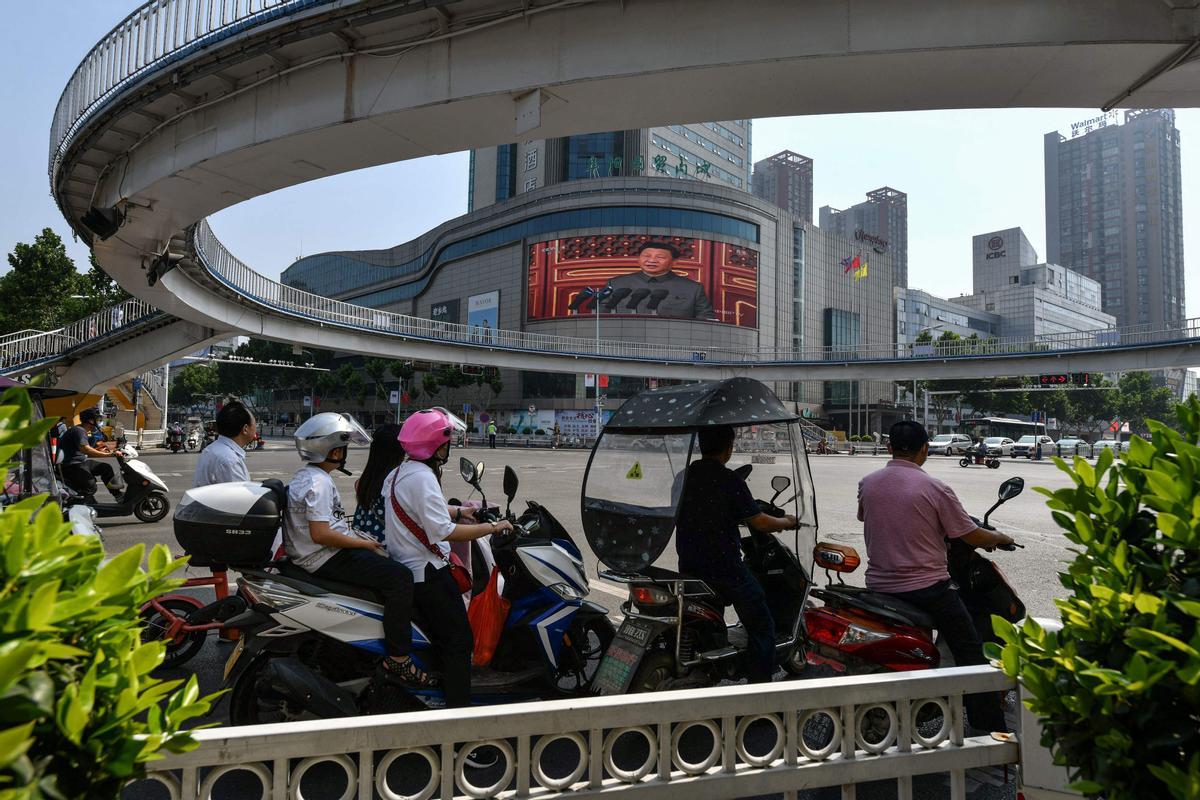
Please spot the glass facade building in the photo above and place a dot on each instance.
(786, 179)
(802, 294)
(1114, 212)
(883, 215)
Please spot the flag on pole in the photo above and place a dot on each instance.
(1115, 425)
(851, 263)
(861, 272)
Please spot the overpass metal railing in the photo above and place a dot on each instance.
(40, 346)
(744, 740)
(155, 34)
(228, 270)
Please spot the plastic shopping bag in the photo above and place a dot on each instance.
(487, 614)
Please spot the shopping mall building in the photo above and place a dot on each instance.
(767, 279)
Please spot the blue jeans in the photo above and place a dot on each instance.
(742, 590)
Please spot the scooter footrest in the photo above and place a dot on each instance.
(720, 654)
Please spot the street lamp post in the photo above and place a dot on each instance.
(595, 296)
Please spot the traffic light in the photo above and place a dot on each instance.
(1081, 378)
(1054, 380)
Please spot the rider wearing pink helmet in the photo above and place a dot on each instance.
(419, 526)
(426, 432)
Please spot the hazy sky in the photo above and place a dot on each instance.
(965, 172)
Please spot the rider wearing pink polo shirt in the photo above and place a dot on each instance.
(907, 517)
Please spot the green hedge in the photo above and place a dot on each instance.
(1118, 689)
(80, 713)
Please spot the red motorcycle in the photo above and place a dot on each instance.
(860, 631)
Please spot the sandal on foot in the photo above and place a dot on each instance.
(407, 672)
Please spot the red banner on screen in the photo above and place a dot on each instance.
(708, 280)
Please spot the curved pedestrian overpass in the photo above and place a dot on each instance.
(188, 107)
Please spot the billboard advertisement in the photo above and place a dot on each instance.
(641, 275)
(483, 316)
(444, 312)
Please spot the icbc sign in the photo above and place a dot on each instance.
(996, 245)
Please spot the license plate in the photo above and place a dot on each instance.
(233, 657)
(634, 631)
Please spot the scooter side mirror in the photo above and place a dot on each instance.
(779, 483)
(1011, 488)
(466, 468)
(510, 483)
(743, 471)
(510, 487)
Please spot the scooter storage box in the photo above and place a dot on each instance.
(230, 523)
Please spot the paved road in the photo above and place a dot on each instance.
(554, 478)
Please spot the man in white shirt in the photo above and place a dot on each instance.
(224, 460)
(319, 539)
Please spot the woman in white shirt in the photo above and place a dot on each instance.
(418, 529)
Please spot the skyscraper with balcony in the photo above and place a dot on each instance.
(880, 221)
(713, 152)
(1114, 212)
(786, 179)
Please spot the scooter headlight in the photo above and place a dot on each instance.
(566, 591)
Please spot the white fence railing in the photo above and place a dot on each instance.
(31, 347)
(742, 741)
(157, 32)
(228, 270)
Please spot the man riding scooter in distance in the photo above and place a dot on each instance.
(80, 468)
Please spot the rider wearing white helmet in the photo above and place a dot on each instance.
(318, 538)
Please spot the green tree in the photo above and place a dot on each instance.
(39, 292)
(1139, 398)
(1118, 688)
(194, 383)
(82, 713)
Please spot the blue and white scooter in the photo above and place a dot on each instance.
(310, 647)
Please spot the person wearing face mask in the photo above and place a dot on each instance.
(419, 527)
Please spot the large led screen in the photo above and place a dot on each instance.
(640, 275)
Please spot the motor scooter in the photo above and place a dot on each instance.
(860, 631)
(145, 495)
(990, 461)
(673, 634)
(192, 442)
(175, 438)
(310, 646)
(682, 620)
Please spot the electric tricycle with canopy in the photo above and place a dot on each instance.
(674, 633)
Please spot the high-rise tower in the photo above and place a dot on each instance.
(786, 179)
(1114, 212)
(715, 152)
(881, 218)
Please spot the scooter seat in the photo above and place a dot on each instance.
(304, 581)
(885, 605)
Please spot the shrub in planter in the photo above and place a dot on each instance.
(510, 430)
(80, 713)
(540, 432)
(526, 431)
(1118, 688)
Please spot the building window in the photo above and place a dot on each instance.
(506, 171)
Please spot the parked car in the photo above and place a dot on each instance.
(1026, 445)
(1112, 444)
(1072, 446)
(999, 445)
(949, 444)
